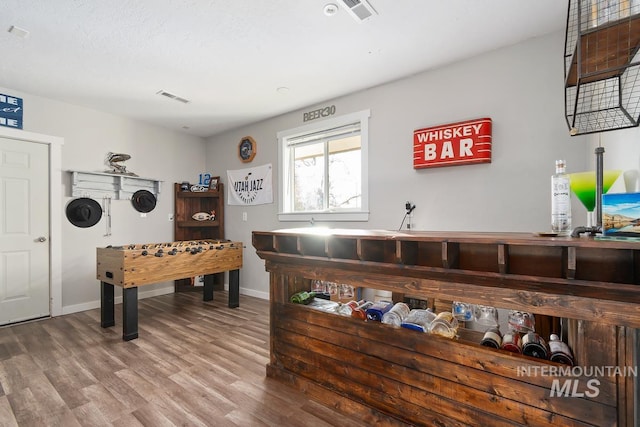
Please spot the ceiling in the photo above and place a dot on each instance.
(242, 61)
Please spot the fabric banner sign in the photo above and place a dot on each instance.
(250, 186)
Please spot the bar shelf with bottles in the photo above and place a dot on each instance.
(397, 376)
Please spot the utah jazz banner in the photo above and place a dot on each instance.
(250, 186)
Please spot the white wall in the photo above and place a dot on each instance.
(520, 88)
(89, 135)
(621, 151)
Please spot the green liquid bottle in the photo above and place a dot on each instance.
(303, 297)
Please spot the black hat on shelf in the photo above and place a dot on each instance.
(143, 201)
(84, 212)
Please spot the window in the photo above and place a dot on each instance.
(323, 170)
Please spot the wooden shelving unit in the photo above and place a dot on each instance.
(601, 66)
(605, 51)
(187, 204)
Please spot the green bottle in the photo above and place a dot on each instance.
(303, 297)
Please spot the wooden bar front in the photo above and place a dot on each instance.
(396, 376)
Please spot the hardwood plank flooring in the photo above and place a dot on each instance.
(195, 363)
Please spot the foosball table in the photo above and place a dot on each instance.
(131, 266)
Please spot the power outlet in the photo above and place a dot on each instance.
(170, 217)
(244, 216)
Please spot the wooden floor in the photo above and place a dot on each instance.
(194, 364)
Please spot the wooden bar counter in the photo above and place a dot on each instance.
(396, 376)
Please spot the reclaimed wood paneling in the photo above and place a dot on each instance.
(423, 379)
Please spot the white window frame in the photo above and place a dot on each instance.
(284, 186)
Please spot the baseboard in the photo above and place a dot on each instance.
(252, 293)
(153, 293)
(68, 309)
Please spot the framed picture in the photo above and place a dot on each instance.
(213, 183)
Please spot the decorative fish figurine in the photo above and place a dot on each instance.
(201, 216)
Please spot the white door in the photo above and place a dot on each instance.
(24, 230)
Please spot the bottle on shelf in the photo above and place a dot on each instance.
(324, 305)
(560, 351)
(303, 297)
(560, 200)
(347, 308)
(512, 341)
(534, 345)
(377, 310)
(445, 325)
(419, 319)
(492, 338)
(396, 315)
(360, 312)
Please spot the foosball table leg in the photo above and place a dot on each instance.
(106, 305)
(234, 288)
(208, 287)
(129, 313)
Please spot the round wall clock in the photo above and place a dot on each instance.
(247, 149)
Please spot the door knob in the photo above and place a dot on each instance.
(42, 239)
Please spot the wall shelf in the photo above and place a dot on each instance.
(601, 66)
(98, 185)
(194, 223)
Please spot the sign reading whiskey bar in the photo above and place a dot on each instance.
(454, 144)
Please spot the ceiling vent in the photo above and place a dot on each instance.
(19, 32)
(172, 96)
(361, 10)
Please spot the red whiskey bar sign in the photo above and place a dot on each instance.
(454, 144)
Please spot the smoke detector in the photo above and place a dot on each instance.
(330, 9)
(361, 10)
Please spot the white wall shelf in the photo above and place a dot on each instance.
(98, 185)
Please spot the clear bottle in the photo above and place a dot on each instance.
(560, 200)
(445, 325)
(397, 314)
(418, 319)
(347, 309)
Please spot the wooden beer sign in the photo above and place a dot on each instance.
(454, 144)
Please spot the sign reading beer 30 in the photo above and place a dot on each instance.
(454, 144)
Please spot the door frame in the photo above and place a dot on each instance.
(55, 209)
